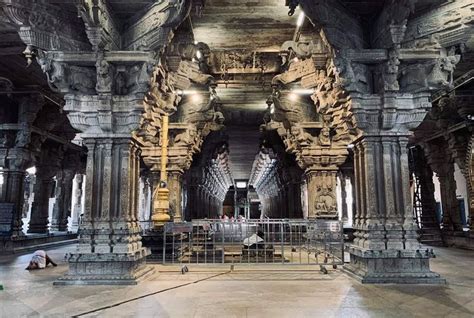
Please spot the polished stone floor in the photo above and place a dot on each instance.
(246, 292)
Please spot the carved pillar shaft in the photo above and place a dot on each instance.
(111, 194)
(12, 193)
(40, 208)
(12, 190)
(175, 185)
(427, 189)
(383, 194)
(62, 206)
(451, 215)
(344, 215)
(77, 208)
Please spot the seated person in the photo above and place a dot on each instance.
(40, 260)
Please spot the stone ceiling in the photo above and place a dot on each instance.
(251, 27)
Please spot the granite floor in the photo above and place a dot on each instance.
(246, 292)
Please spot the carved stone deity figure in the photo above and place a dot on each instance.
(104, 76)
(324, 137)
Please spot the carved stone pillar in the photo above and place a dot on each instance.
(385, 248)
(441, 163)
(175, 185)
(344, 215)
(77, 209)
(109, 249)
(43, 189)
(11, 196)
(62, 206)
(109, 226)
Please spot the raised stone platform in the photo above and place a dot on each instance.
(31, 242)
(461, 240)
(391, 266)
(106, 269)
(154, 240)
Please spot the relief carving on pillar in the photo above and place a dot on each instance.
(325, 203)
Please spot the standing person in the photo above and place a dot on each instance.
(40, 260)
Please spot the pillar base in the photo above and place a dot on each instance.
(391, 267)
(107, 269)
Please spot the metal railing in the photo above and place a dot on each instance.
(270, 241)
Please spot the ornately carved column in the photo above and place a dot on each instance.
(175, 185)
(77, 208)
(43, 189)
(11, 195)
(440, 161)
(386, 248)
(344, 215)
(109, 249)
(62, 206)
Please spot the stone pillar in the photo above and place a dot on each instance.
(175, 185)
(77, 208)
(11, 196)
(429, 223)
(321, 193)
(109, 249)
(441, 163)
(62, 206)
(43, 188)
(344, 215)
(385, 248)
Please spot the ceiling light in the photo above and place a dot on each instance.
(293, 97)
(302, 91)
(300, 20)
(31, 170)
(241, 184)
(188, 92)
(196, 98)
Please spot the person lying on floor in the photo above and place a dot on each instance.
(40, 260)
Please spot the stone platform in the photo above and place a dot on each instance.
(391, 266)
(32, 242)
(106, 269)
